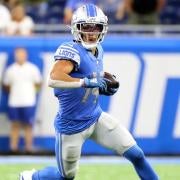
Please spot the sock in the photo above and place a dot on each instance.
(49, 173)
(141, 165)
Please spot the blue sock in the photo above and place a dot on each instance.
(142, 167)
(49, 173)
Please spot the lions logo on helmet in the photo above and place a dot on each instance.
(89, 25)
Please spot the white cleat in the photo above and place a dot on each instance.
(26, 175)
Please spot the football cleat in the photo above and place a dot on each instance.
(26, 175)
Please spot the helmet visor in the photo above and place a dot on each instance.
(90, 27)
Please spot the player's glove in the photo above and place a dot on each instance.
(95, 82)
(112, 85)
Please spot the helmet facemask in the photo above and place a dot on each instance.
(90, 34)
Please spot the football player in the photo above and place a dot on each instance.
(77, 77)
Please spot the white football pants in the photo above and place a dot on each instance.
(107, 131)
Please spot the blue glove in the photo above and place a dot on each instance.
(109, 90)
(95, 82)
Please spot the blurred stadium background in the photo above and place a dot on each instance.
(145, 58)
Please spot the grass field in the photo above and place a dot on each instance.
(97, 172)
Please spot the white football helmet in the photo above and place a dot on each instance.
(89, 20)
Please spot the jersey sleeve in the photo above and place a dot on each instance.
(68, 52)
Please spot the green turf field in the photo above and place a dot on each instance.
(97, 172)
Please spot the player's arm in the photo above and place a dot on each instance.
(68, 59)
(59, 75)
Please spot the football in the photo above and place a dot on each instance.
(112, 83)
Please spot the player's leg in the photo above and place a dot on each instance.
(109, 133)
(141, 165)
(48, 173)
(68, 150)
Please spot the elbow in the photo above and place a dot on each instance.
(53, 83)
(51, 80)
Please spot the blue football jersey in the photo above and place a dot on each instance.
(78, 107)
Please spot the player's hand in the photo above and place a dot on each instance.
(95, 82)
(112, 85)
(108, 91)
